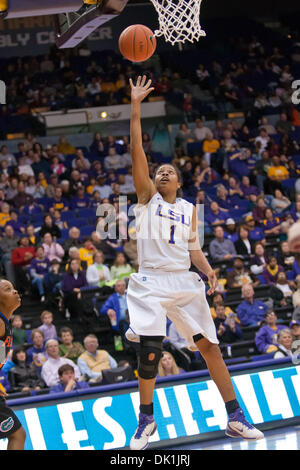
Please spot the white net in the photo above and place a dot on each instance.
(179, 20)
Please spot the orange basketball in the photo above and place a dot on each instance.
(137, 43)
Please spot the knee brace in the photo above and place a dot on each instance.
(150, 354)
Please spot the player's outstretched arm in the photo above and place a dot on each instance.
(144, 186)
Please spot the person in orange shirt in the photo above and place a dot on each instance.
(210, 145)
(4, 214)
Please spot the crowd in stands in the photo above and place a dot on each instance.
(55, 248)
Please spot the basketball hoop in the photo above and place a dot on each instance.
(179, 20)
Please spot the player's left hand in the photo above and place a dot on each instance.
(213, 282)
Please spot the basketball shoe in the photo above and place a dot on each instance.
(146, 428)
(238, 426)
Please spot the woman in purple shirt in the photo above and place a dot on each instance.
(73, 280)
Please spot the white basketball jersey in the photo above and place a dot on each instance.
(163, 231)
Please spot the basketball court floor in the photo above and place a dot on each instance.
(277, 439)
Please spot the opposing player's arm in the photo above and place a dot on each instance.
(144, 186)
(2, 328)
(197, 256)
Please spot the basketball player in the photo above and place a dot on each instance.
(168, 242)
(10, 425)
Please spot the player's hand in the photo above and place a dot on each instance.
(3, 393)
(213, 282)
(141, 89)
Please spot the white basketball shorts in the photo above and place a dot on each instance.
(180, 295)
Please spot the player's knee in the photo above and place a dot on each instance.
(150, 354)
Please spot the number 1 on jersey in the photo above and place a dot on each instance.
(172, 231)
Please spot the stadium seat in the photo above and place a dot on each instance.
(87, 231)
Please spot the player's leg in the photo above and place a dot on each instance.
(16, 440)
(237, 425)
(150, 354)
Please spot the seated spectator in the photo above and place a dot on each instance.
(57, 167)
(73, 280)
(74, 254)
(251, 311)
(38, 271)
(104, 189)
(37, 338)
(221, 248)
(286, 287)
(239, 275)
(4, 214)
(183, 136)
(258, 211)
(47, 327)
(280, 202)
(271, 224)
(221, 281)
(296, 265)
(210, 146)
(120, 268)
(247, 189)
(21, 258)
(68, 347)
(266, 337)
(53, 281)
(65, 147)
(227, 329)
(285, 340)
(113, 161)
(8, 243)
(19, 335)
(295, 330)
(217, 299)
(259, 260)
(167, 365)
(49, 227)
(256, 234)
(271, 271)
(115, 307)
(23, 377)
(81, 200)
(215, 216)
(73, 240)
(93, 361)
(87, 251)
(58, 202)
(296, 294)
(18, 227)
(276, 174)
(230, 232)
(58, 222)
(285, 257)
(22, 199)
(97, 274)
(50, 368)
(223, 199)
(244, 246)
(67, 380)
(52, 249)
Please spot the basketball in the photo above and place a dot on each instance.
(294, 237)
(137, 43)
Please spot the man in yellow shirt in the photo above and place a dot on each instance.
(87, 251)
(210, 145)
(4, 214)
(277, 172)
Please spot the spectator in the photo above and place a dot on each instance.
(258, 211)
(47, 327)
(115, 307)
(65, 147)
(58, 202)
(73, 280)
(296, 294)
(97, 274)
(266, 337)
(93, 361)
(49, 227)
(184, 136)
(22, 199)
(67, 380)
(18, 227)
(37, 338)
(295, 330)
(280, 202)
(4, 214)
(73, 240)
(231, 231)
(52, 249)
(251, 311)
(217, 299)
(81, 200)
(21, 258)
(19, 335)
(104, 189)
(112, 161)
(167, 365)
(120, 268)
(53, 363)
(74, 254)
(285, 286)
(68, 348)
(296, 265)
(53, 280)
(23, 377)
(271, 271)
(87, 251)
(221, 248)
(244, 246)
(227, 329)
(256, 234)
(215, 216)
(38, 271)
(200, 131)
(277, 173)
(259, 260)
(239, 276)
(285, 340)
(271, 224)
